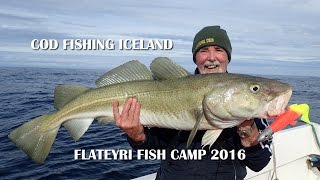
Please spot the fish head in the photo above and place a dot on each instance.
(242, 97)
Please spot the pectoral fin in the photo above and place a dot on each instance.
(199, 117)
(210, 137)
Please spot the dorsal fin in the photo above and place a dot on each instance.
(130, 71)
(65, 93)
(199, 117)
(165, 68)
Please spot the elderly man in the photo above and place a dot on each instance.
(211, 53)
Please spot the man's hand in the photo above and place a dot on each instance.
(251, 140)
(129, 119)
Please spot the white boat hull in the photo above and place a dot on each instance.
(292, 148)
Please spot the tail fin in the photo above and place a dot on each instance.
(31, 138)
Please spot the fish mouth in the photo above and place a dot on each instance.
(277, 106)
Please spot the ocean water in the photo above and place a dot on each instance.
(26, 93)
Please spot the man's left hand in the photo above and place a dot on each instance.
(251, 133)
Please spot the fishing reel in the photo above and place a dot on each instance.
(314, 161)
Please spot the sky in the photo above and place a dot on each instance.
(267, 36)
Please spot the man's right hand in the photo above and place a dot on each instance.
(129, 119)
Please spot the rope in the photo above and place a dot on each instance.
(315, 135)
(274, 162)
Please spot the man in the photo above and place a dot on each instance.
(211, 53)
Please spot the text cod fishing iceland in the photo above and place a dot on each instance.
(105, 44)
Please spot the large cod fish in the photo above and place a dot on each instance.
(175, 100)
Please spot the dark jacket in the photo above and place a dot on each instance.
(256, 157)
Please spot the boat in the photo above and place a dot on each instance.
(296, 156)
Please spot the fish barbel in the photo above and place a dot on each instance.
(177, 101)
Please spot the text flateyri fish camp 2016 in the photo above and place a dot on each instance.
(156, 154)
(102, 44)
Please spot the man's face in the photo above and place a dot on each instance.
(212, 59)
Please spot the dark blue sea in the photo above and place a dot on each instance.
(26, 93)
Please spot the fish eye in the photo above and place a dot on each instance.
(255, 88)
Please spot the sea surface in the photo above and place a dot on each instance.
(26, 93)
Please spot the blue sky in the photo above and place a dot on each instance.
(268, 36)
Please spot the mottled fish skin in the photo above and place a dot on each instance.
(223, 100)
(180, 98)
